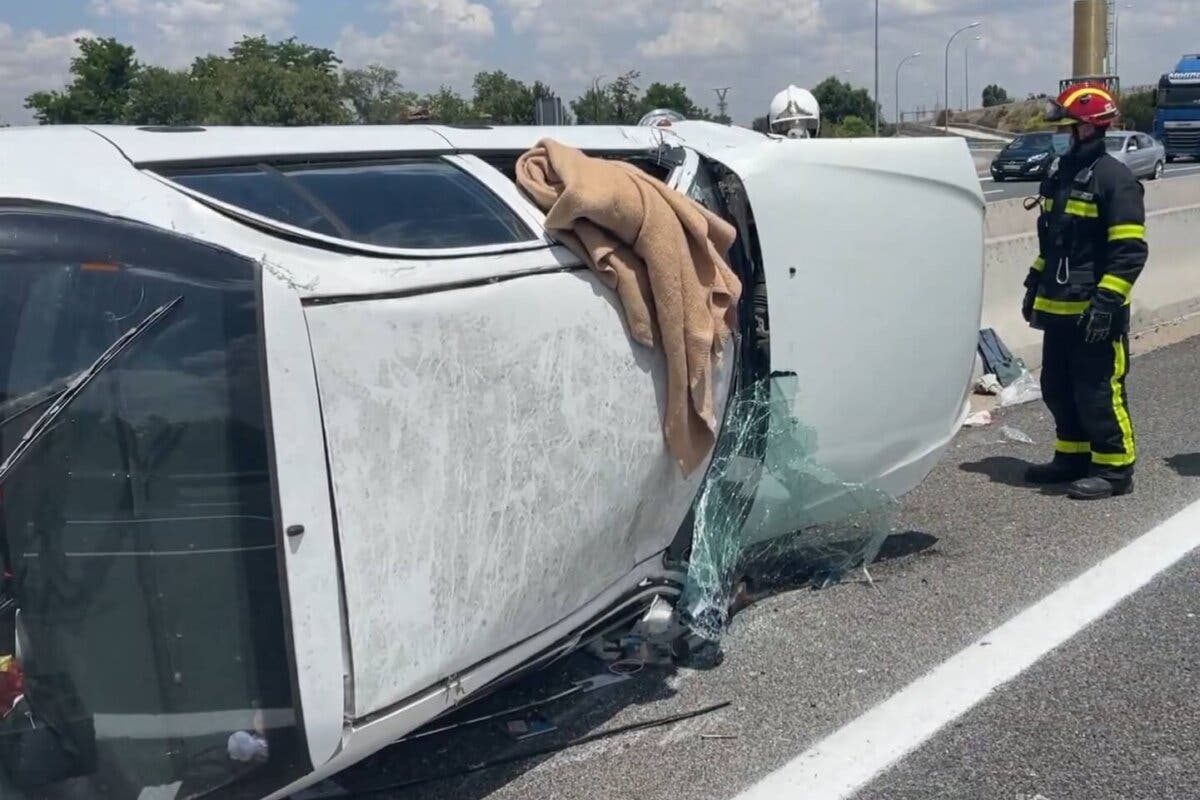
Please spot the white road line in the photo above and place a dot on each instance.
(1177, 170)
(995, 191)
(847, 760)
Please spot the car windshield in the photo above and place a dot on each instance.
(1032, 141)
(1114, 144)
(150, 491)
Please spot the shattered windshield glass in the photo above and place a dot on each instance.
(770, 515)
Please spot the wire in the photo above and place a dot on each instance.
(545, 751)
(467, 723)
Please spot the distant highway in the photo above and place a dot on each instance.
(1009, 189)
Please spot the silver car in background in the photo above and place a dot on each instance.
(1143, 154)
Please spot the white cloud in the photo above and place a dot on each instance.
(429, 42)
(31, 61)
(453, 17)
(173, 32)
(734, 28)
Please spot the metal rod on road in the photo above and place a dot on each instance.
(901, 64)
(946, 110)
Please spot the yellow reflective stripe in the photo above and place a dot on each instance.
(1071, 98)
(1120, 232)
(1062, 307)
(1124, 459)
(1080, 208)
(1076, 208)
(1039, 264)
(1072, 448)
(1116, 284)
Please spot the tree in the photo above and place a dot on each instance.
(674, 97)
(1138, 110)
(504, 100)
(166, 97)
(625, 102)
(994, 95)
(448, 107)
(595, 107)
(376, 96)
(103, 74)
(840, 100)
(852, 127)
(260, 83)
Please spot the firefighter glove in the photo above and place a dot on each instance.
(1099, 318)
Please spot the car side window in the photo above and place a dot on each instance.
(420, 204)
(1144, 141)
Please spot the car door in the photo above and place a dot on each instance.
(495, 445)
(1136, 155)
(1150, 153)
(873, 259)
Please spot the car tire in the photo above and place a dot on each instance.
(1159, 167)
(999, 179)
(1170, 159)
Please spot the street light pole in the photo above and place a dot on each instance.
(967, 74)
(1117, 35)
(876, 69)
(946, 111)
(898, 67)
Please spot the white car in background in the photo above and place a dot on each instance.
(1143, 154)
(373, 442)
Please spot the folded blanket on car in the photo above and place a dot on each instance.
(663, 254)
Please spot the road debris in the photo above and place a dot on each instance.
(980, 419)
(1024, 389)
(1016, 435)
(988, 384)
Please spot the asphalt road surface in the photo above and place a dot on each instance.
(1060, 654)
(1007, 190)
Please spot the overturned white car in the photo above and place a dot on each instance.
(313, 435)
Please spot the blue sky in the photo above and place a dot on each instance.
(755, 46)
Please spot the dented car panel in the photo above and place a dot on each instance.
(497, 463)
(465, 448)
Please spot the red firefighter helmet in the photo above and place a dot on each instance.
(1083, 102)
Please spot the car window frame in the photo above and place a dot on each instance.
(476, 169)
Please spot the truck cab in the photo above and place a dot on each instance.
(1177, 109)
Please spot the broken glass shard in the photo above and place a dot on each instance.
(770, 516)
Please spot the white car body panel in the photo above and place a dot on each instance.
(498, 463)
(471, 536)
(874, 265)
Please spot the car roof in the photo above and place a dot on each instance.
(156, 145)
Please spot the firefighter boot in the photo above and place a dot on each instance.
(1063, 469)
(1098, 488)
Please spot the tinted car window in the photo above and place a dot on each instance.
(262, 192)
(139, 530)
(1114, 144)
(420, 204)
(1144, 141)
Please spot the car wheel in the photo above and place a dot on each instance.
(999, 179)
(1159, 168)
(1170, 159)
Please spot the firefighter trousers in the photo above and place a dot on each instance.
(1083, 385)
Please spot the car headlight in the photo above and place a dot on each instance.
(1038, 157)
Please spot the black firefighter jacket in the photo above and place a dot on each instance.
(1091, 239)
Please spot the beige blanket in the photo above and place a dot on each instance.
(662, 253)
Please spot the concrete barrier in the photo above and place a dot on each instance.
(1168, 290)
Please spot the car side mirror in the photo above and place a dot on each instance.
(1131, 146)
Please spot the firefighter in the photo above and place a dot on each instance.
(1092, 248)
